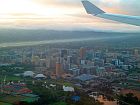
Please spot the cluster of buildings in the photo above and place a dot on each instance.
(87, 68)
(15, 88)
(64, 62)
(16, 93)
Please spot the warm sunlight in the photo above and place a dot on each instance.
(26, 9)
(18, 6)
(69, 52)
(62, 13)
(110, 1)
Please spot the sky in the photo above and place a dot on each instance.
(64, 14)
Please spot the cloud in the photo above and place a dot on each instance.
(131, 7)
(72, 15)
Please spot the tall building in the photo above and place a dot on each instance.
(69, 61)
(53, 61)
(136, 52)
(58, 69)
(35, 60)
(82, 52)
(63, 53)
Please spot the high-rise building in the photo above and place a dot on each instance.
(82, 52)
(136, 52)
(69, 61)
(63, 53)
(53, 61)
(58, 69)
(35, 60)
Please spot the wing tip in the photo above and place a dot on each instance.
(91, 8)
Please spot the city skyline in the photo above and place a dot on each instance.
(64, 14)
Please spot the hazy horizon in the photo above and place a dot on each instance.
(23, 37)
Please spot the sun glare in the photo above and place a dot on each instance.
(27, 8)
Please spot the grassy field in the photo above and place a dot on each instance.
(11, 78)
(1, 103)
(13, 99)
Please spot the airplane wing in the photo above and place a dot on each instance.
(94, 10)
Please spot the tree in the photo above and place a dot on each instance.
(128, 99)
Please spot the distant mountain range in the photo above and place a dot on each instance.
(24, 35)
(18, 35)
